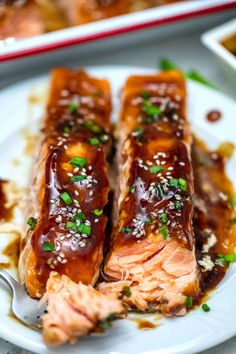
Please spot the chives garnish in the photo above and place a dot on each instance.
(70, 225)
(174, 182)
(93, 126)
(131, 189)
(183, 184)
(177, 204)
(164, 231)
(78, 161)
(112, 316)
(104, 138)
(66, 130)
(66, 197)
(48, 246)
(126, 291)
(79, 216)
(229, 258)
(126, 230)
(233, 202)
(145, 95)
(164, 217)
(155, 169)
(138, 130)
(98, 212)
(206, 308)
(150, 109)
(84, 229)
(189, 302)
(73, 107)
(166, 64)
(77, 178)
(93, 141)
(32, 223)
(104, 325)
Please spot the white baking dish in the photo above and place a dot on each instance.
(212, 39)
(106, 28)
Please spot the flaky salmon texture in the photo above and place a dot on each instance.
(75, 310)
(151, 262)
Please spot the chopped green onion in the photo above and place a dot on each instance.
(164, 231)
(93, 141)
(98, 212)
(230, 258)
(104, 138)
(150, 109)
(155, 169)
(177, 204)
(174, 182)
(32, 223)
(77, 178)
(112, 317)
(126, 291)
(131, 189)
(126, 230)
(183, 184)
(70, 225)
(79, 216)
(104, 325)
(233, 202)
(160, 190)
(189, 302)
(206, 308)
(145, 95)
(48, 246)
(84, 229)
(78, 161)
(66, 197)
(138, 130)
(73, 107)
(164, 217)
(196, 76)
(166, 64)
(93, 126)
(66, 130)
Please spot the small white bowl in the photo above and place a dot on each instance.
(212, 39)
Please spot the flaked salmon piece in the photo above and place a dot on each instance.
(69, 187)
(152, 244)
(75, 310)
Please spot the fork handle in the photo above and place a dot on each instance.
(8, 280)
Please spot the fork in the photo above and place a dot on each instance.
(25, 309)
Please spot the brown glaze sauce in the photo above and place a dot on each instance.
(230, 43)
(164, 135)
(144, 324)
(5, 213)
(66, 136)
(214, 116)
(213, 212)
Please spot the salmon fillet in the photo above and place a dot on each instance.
(151, 262)
(75, 310)
(69, 187)
(27, 19)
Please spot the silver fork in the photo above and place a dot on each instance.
(26, 309)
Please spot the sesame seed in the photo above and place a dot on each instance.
(69, 174)
(181, 163)
(90, 193)
(163, 162)
(90, 167)
(76, 169)
(96, 220)
(168, 173)
(63, 261)
(76, 193)
(170, 168)
(52, 201)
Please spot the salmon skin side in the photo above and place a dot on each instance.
(69, 186)
(151, 262)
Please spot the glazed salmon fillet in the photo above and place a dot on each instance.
(75, 310)
(69, 187)
(151, 262)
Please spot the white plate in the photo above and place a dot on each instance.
(194, 332)
(157, 16)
